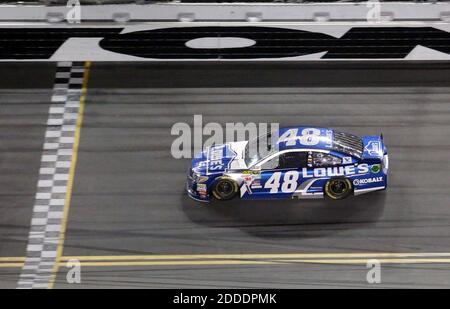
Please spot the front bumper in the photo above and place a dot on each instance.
(196, 191)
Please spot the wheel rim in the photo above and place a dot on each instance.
(225, 189)
(338, 187)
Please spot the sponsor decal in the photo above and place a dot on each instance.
(365, 181)
(256, 184)
(307, 137)
(288, 182)
(373, 148)
(202, 179)
(335, 171)
(248, 179)
(346, 160)
(215, 157)
(356, 43)
(376, 168)
(201, 189)
(252, 180)
(316, 189)
(218, 158)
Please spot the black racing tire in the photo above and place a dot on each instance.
(338, 188)
(224, 189)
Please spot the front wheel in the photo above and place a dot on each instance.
(338, 188)
(224, 189)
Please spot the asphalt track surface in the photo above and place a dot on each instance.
(129, 205)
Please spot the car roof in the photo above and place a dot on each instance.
(303, 137)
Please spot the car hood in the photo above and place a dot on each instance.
(220, 158)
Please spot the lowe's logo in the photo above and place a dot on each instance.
(215, 158)
(365, 181)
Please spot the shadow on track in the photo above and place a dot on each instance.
(288, 218)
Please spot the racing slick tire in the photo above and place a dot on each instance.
(224, 189)
(338, 188)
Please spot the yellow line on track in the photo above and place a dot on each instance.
(364, 261)
(12, 259)
(175, 263)
(12, 263)
(283, 256)
(59, 252)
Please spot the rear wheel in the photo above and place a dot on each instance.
(225, 189)
(338, 188)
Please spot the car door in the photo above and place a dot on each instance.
(281, 175)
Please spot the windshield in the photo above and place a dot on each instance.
(258, 149)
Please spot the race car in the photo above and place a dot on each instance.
(294, 163)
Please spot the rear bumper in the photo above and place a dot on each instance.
(370, 183)
(367, 190)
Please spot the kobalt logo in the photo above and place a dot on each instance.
(364, 181)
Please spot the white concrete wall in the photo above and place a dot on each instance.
(333, 19)
(235, 12)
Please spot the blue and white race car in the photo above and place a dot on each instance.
(295, 162)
